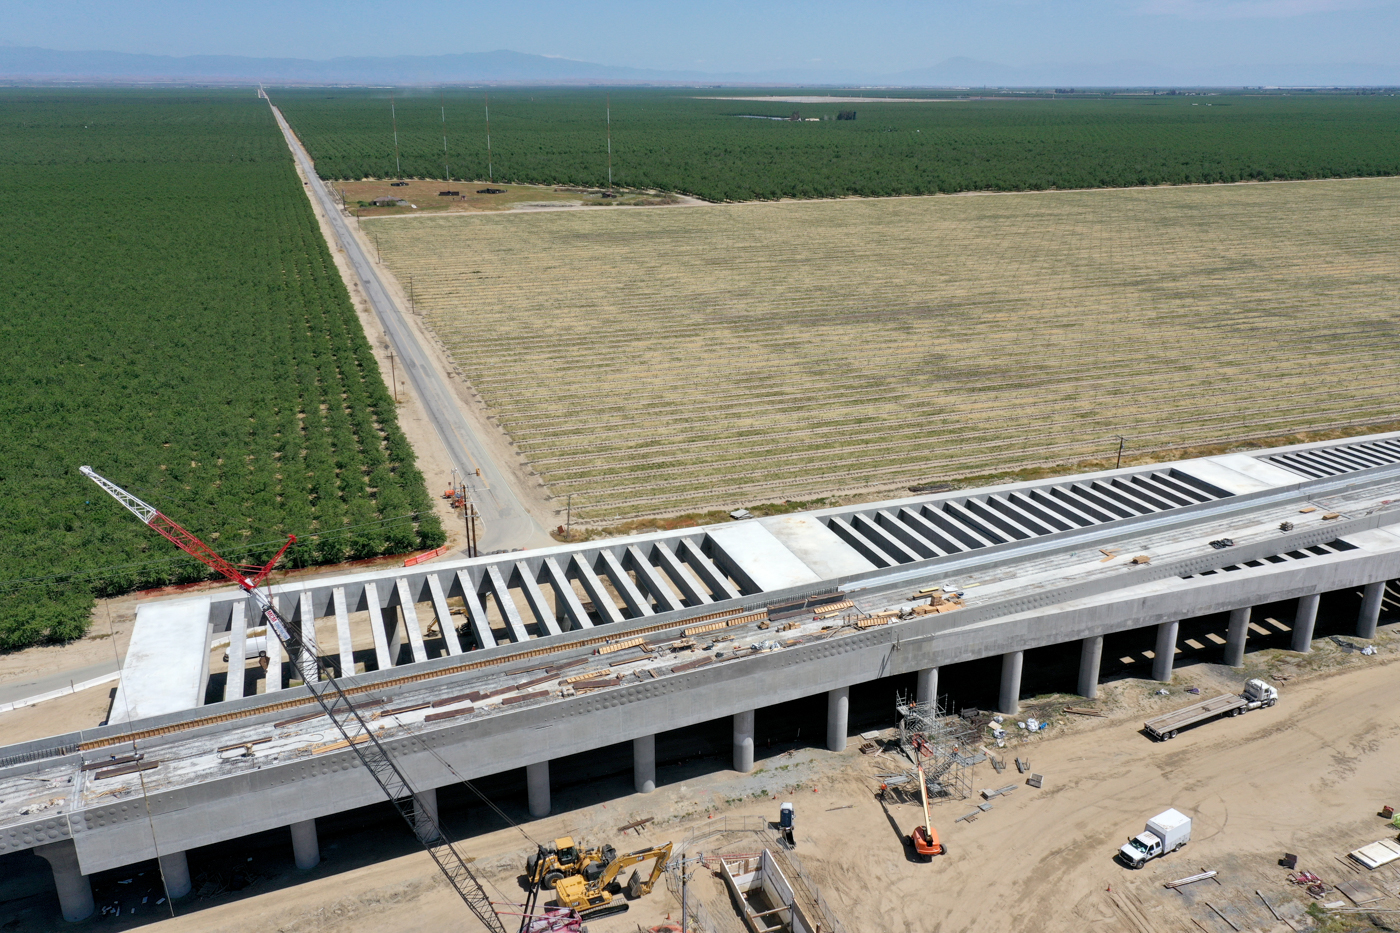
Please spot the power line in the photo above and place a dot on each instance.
(165, 561)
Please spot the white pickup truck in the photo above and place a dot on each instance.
(1166, 832)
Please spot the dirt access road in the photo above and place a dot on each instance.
(507, 523)
(1304, 777)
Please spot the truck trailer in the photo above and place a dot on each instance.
(1166, 832)
(1256, 694)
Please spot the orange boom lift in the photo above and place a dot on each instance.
(925, 837)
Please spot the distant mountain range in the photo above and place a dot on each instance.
(25, 64)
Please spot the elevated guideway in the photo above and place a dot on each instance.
(509, 661)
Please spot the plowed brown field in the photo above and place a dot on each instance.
(653, 361)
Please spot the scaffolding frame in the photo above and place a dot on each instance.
(931, 735)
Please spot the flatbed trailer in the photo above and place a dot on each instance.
(1256, 694)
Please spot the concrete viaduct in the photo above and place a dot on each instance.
(480, 666)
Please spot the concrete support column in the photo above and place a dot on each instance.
(395, 633)
(644, 763)
(1304, 621)
(743, 741)
(1164, 654)
(305, 849)
(175, 869)
(1090, 660)
(425, 811)
(1236, 636)
(838, 714)
(74, 890)
(926, 693)
(1370, 610)
(1010, 701)
(537, 783)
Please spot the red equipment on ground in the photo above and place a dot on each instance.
(925, 837)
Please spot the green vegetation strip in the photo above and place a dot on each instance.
(173, 317)
(671, 139)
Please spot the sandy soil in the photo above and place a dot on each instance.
(107, 638)
(1305, 777)
(82, 710)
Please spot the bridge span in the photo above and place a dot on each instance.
(482, 666)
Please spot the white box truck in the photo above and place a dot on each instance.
(1166, 832)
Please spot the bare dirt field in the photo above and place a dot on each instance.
(1306, 777)
(427, 196)
(656, 362)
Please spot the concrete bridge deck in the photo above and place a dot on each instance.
(586, 646)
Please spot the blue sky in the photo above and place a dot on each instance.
(729, 36)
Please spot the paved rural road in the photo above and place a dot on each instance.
(505, 522)
(21, 689)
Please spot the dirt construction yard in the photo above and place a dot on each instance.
(651, 362)
(1306, 777)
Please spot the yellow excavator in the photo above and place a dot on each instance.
(596, 898)
(554, 862)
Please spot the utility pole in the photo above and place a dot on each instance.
(446, 169)
(490, 175)
(469, 513)
(394, 376)
(1120, 451)
(684, 903)
(569, 519)
(607, 110)
(398, 166)
(410, 293)
(376, 247)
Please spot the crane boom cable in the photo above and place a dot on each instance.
(139, 565)
(317, 672)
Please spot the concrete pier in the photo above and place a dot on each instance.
(1371, 598)
(644, 763)
(537, 784)
(838, 713)
(1090, 659)
(1164, 653)
(926, 690)
(175, 869)
(305, 849)
(1303, 622)
(1236, 636)
(74, 889)
(1010, 701)
(425, 811)
(743, 741)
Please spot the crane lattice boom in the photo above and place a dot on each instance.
(320, 678)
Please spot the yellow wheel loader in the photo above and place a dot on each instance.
(563, 859)
(596, 898)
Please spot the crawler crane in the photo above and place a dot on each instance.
(320, 679)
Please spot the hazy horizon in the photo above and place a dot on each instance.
(822, 42)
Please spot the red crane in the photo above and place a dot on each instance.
(320, 679)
